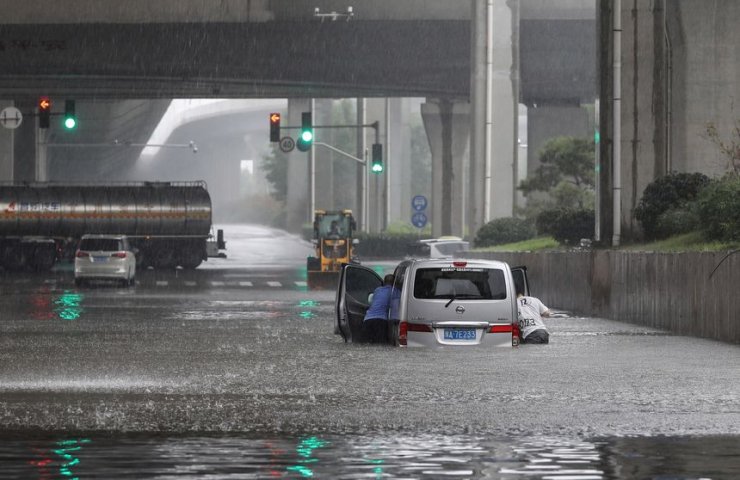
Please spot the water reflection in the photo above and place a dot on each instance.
(60, 460)
(305, 450)
(63, 306)
(557, 458)
(307, 306)
(68, 305)
(359, 456)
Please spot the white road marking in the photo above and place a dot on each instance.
(245, 284)
(191, 284)
(162, 283)
(301, 284)
(218, 284)
(275, 284)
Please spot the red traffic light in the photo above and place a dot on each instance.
(44, 103)
(44, 112)
(274, 127)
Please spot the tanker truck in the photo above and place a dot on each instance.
(168, 223)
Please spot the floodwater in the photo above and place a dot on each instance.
(234, 372)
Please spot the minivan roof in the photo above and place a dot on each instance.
(445, 262)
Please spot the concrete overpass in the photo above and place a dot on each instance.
(100, 50)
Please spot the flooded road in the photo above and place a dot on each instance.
(234, 367)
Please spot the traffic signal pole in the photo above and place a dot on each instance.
(309, 148)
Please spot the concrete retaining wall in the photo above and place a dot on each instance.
(669, 291)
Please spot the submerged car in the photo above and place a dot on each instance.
(108, 257)
(435, 302)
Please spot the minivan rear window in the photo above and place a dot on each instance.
(100, 245)
(472, 283)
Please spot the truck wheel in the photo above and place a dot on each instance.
(190, 259)
(165, 260)
(44, 258)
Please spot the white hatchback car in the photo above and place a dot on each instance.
(455, 302)
(105, 257)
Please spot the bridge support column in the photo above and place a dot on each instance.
(29, 158)
(6, 149)
(447, 124)
(298, 203)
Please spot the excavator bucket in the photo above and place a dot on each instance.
(318, 280)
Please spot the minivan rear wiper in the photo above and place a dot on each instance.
(451, 299)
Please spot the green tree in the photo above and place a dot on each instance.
(275, 166)
(730, 148)
(565, 174)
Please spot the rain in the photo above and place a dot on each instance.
(234, 368)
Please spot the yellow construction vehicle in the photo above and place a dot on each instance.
(332, 239)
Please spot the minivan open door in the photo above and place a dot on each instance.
(356, 283)
(521, 282)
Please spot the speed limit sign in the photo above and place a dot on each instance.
(287, 144)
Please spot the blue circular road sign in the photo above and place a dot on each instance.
(419, 219)
(419, 203)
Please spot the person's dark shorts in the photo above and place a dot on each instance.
(538, 336)
(375, 330)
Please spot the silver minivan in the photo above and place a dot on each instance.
(435, 302)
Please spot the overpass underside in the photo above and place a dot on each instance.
(428, 52)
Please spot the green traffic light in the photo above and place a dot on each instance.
(377, 167)
(70, 123)
(307, 135)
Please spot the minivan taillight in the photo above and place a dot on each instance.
(118, 254)
(403, 330)
(81, 254)
(514, 334)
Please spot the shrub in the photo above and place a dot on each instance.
(719, 209)
(504, 230)
(566, 225)
(676, 221)
(671, 191)
(547, 220)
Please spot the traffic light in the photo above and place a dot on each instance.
(44, 112)
(305, 139)
(70, 118)
(377, 160)
(274, 127)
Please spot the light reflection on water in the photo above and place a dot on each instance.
(369, 457)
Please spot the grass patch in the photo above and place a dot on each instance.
(688, 242)
(532, 245)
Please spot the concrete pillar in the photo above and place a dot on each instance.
(399, 166)
(25, 139)
(704, 86)
(323, 157)
(298, 203)
(504, 103)
(6, 147)
(377, 193)
(447, 125)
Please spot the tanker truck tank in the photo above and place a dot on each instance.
(169, 223)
